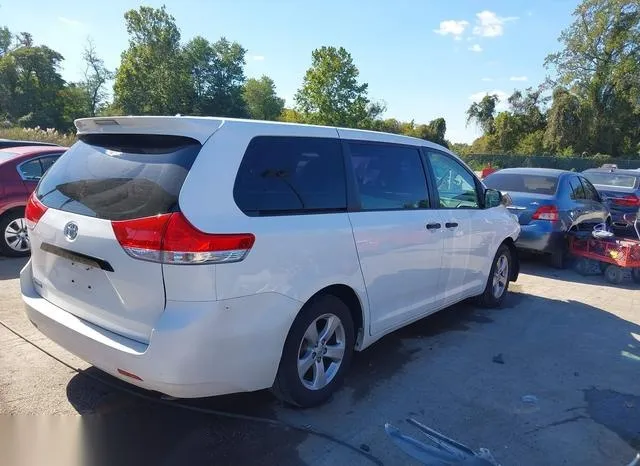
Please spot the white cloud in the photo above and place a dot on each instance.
(451, 26)
(70, 22)
(487, 80)
(257, 57)
(502, 98)
(475, 48)
(489, 24)
(518, 78)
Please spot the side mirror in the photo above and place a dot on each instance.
(492, 198)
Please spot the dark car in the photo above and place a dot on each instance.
(620, 191)
(548, 204)
(20, 170)
(6, 143)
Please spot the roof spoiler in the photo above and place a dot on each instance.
(199, 128)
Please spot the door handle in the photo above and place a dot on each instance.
(451, 225)
(434, 226)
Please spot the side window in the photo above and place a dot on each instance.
(291, 175)
(31, 170)
(577, 190)
(47, 161)
(456, 186)
(590, 192)
(389, 177)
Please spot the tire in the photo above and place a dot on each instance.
(635, 274)
(583, 266)
(493, 297)
(614, 274)
(298, 390)
(14, 240)
(559, 259)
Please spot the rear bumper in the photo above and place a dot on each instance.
(196, 349)
(540, 237)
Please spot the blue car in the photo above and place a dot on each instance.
(549, 203)
(620, 191)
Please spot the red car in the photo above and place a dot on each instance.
(20, 170)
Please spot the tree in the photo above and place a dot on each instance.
(483, 113)
(30, 85)
(261, 99)
(330, 93)
(96, 76)
(6, 38)
(152, 77)
(566, 123)
(600, 62)
(216, 73)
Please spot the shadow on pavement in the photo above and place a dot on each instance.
(123, 429)
(10, 268)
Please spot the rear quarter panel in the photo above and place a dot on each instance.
(295, 256)
(13, 192)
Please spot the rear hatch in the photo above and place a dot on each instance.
(94, 220)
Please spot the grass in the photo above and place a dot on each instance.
(38, 134)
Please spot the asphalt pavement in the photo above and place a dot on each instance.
(550, 379)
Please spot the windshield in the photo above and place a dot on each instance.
(612, 179)
(535, 184)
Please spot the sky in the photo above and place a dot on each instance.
(423, 58)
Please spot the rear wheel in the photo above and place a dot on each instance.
(497, 286)
(614, 274)
(14, 241)
(316, 354)
(559, 259)
(635, 274)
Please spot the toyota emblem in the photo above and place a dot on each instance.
(71, 231)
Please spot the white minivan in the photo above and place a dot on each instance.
(205, 256)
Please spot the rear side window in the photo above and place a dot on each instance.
(577, 190)
(389, 177)
(119, 176)
(282, 175)
(521, 183)
(590, 192)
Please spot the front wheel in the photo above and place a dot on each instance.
(497, 286)
(14, 241)
(316, 354)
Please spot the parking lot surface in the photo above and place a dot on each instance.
(550, 379)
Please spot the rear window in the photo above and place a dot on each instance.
(291, 175)
(535, 184)
(612, 179)
(119, 176)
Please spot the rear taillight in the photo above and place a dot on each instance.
(630, 200)
(171, 239)
(34, 211)
(546, 212)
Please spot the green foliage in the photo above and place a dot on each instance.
(261, 99)
(30, 85)
(37, 134)
(331, 95)
(479, 161)
(483, 113)
(96, 77)
(217, 76)
(152, 77)
(600, 63)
